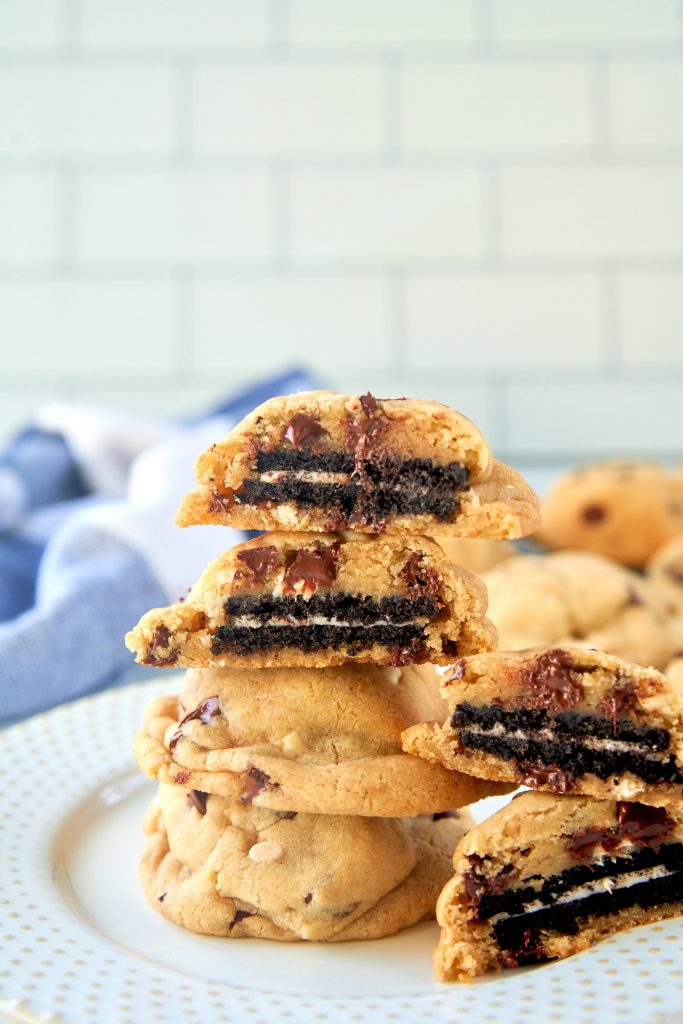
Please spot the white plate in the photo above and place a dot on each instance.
(80, 945)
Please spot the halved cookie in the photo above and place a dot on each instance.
(562, 720)
(549, 876)
(322, 461)
(324, 742)
(321, 599)
(220, 867)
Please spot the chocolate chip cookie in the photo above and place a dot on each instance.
(579, 599)
(547, 877)
(326, 742)
(329, 462)
(295, 599)
(561, 720)
(221, 867)
(623, 510)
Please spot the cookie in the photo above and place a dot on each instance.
(665, 572)
(546, 877)
(479, 555)
(579, 599)
(622, 510)
(296, 599)
(674, 673)
(219, 867)
(562, 720)
(325, 742)
(322, 461)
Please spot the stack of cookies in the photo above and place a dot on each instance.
(287, 807)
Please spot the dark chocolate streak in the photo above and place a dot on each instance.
(363, 610)
(566, 749)
(243, 640)
(566, 918)
(389, 486)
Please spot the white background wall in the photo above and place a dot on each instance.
(474, 200)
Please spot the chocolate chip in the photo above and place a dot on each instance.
(617, 700)
(197, 799)
(304, 430)
(636, 822)
(316, 567)
(261, 561)
(642, 823)
(362, 430)
(255, 782)
(593, 514)
(552, 777)
(552, 682)
(222, 502)
(419, 578)
(162, 897)
(204, 712)
(308, 897)
(240, 916)
(161, 641)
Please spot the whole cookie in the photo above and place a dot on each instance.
(324, 742)
(322, 461)
(579, 599)
(623, 510)
(219, 867)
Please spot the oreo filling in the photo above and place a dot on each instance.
(582, 743)
(264, 622)
(369, 490)
(646, 877)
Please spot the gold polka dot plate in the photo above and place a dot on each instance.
(81, 946)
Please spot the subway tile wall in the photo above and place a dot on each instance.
(480, 201)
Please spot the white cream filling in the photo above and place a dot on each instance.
(592, 742)
(252, 622)
(579, 892)
(274, 476)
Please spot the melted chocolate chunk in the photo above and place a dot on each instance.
(161, 640)
(225, 501)
(304, 430)
(315, 568)
(622, 697)
(255, 782)
(593, 514)
(419, 577)
(204, 712)
(197, 799)
(551, 777)
(240, 916)
(639, 823)
(551, 681)
(261, 561)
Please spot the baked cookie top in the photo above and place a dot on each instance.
(624, 510)
(548, 876)
(564, 720)
(323, 461)
(221, 867)
(300, 739)
(296, 599)
(578, 598)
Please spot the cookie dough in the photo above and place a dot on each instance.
(221, 867)
(547, 876)
(323, 461)
(579, 599)
(295, 599)
(325, 742)
(561, 720)
(623, 510)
